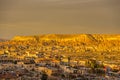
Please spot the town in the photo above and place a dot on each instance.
(59, 60)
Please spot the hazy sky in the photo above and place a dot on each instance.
(29, 17)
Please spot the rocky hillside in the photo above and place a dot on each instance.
(99, 42)
(23, 38)
(67, 37)
(98, 46)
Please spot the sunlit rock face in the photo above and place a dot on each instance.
(65, 37)
(92, 42)
(23, 38)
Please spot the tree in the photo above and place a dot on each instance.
(93, 64)
(15, 62)
(69, 58)
(44, 76)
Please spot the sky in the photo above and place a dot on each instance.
(31, 17)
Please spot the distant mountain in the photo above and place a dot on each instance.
(3, 40)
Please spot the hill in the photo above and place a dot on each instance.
(67, 37)
(105, 47)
